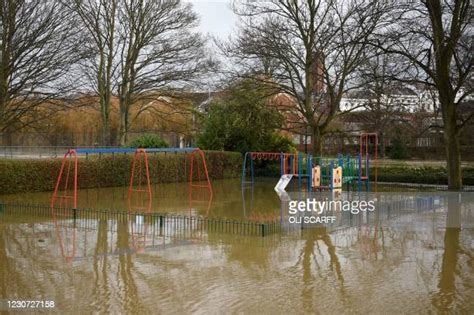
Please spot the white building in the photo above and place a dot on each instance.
(404, 99)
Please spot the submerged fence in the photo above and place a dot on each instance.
(169, 224)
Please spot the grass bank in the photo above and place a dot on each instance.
(17, 176)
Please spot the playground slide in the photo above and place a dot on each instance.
(283, 182)
(283, 195)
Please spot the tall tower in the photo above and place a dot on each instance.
(318, 73)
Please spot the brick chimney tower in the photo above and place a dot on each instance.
(318, 73)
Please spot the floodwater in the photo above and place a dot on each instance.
(397, 260)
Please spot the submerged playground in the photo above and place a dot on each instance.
(138, 184)
(295, 172)
(125, 229)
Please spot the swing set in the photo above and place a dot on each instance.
(65, 191)
(293, 164)
(321, 173)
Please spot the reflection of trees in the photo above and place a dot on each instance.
(101, 287)
(130, 290)
(31, 270)
(101, 265)
(446, 294)
(372, 240)
(312, 239)
(16, 239)
(5, 268)
(249, 251)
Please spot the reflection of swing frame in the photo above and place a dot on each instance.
(63, 241)
(69, 171)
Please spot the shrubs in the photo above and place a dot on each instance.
(420, 175)
(278, 143)
(148, 141)
(17, 176)
(399, 149)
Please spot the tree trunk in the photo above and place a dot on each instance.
(105, 115)
(317, 141)
(3, 96)
(453, 156)
(123, 131)
(452, 146)
(105, 131)
(104, 95)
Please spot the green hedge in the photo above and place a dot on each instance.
(18, 176)
(419, 175)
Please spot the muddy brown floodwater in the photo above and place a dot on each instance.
(396, 261)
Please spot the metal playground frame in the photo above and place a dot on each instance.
(321, 173)
(65, 191)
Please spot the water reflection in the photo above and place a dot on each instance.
(451, 272)
(226, 201)
(414, 255)
(312, 260)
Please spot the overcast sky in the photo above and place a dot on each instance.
(216, 17)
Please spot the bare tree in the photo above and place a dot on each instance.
(99, 18)
(138, 50)
(314, 48)
(158, 49)
(380, 90)
(37, 49)
(434, 38)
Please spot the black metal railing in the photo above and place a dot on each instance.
(168, 223)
